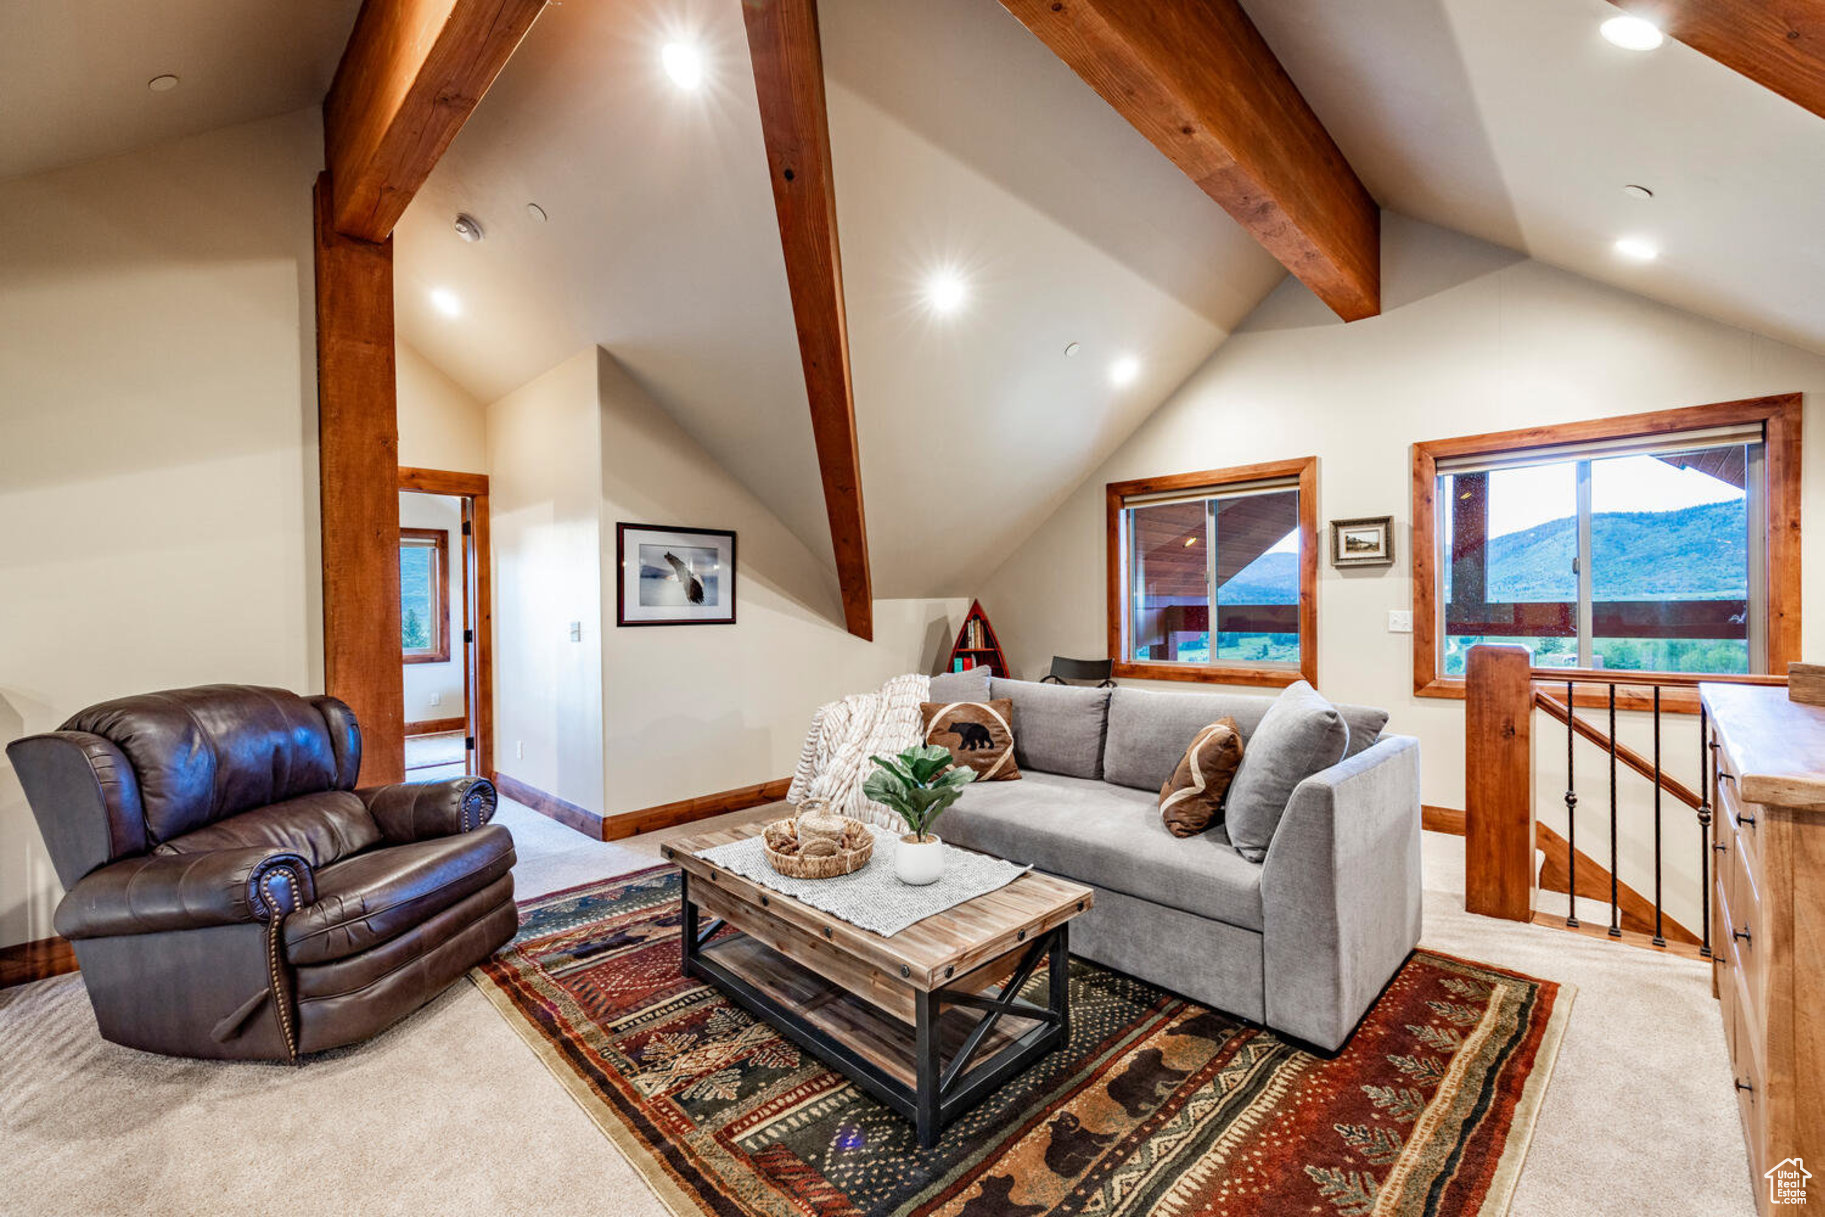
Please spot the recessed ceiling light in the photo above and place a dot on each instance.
(1124, 370)
(162, 84)
(446, 302)
(535, 212)
(683, 63)
(1072, 350)
(1632, 33)
(945, 291)
(1637, 192)
(1637, 249)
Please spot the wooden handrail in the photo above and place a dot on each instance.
(1627, 755)
(1607, 676)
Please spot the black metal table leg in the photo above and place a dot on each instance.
(926, 1065)
(1058, 959)
(689, 940)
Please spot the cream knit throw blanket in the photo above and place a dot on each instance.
(844, 734)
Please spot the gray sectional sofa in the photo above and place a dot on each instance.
(1302, 941)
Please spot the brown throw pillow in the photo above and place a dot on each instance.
(977, 733)
(1192, 798)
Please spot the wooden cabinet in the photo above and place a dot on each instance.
(1768, 917)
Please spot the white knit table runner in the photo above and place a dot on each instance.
(873, 898)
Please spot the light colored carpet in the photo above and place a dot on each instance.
(450, 1113)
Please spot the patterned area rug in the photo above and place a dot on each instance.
(1156, 1105)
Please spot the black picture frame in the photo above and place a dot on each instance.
(627, 615)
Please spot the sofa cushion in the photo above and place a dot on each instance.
(979, 734)
(972, 685)
(320, 828)
(1365, 724)
(1110, 837)
(368, 899)
(1192, 798)
(1148, 730)
(1057, 728)
(1300, 734)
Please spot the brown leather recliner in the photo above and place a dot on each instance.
(230, 892)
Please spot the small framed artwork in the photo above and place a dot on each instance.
(675, 576)
(1365, 542)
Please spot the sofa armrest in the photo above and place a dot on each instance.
(419, 811)
(1340, 891)
(157, 892)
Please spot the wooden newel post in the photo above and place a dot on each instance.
(1498, 782)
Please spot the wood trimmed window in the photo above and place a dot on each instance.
(1234, 549)
(424, 595)
(1570, 567)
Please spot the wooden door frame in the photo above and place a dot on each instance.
(478, 686)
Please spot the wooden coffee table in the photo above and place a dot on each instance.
(928, 1021)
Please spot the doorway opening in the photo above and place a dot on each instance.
(446, 623)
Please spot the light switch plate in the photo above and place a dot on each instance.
(437, 699)
(1400, 621)
(576, 631)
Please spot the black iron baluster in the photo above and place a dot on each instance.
(1571, 814)
(1660, 939)
(1615, 907)
(1704, 829)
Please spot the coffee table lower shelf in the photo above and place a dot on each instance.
(958, 1049)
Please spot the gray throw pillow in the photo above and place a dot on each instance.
(972, 685)
(1300, 734)
(1057, 728)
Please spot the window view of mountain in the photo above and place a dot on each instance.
(1695, 553)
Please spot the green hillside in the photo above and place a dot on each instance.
(1696, 553)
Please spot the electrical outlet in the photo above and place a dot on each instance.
(437, 699)
(519, 749)
(1400, 621)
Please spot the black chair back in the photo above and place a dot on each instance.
(1097, 670)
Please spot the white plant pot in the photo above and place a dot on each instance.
(918, 862)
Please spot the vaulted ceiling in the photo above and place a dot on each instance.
(73, 73)
(959, 141)
(1519, 124)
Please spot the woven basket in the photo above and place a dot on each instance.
(797, 866)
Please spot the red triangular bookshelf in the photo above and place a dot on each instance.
(977, 645)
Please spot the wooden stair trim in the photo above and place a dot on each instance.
(1637, 912)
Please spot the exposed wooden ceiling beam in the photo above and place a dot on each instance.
(1776, 43)
(412, 72)
(1198, 80)
(789, 78)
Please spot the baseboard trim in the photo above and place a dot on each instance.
(39, 960)
(585, 821)
(1441, 819)
(669, 815)
(437, 726)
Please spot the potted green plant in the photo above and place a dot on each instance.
(918, 785)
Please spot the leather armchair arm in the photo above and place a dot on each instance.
(157, 892)
(420, 811)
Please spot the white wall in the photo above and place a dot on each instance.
(158, 517)
(440, 425)
(442, 681)
(1472, 338)
(544, 498)
(692, 710)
